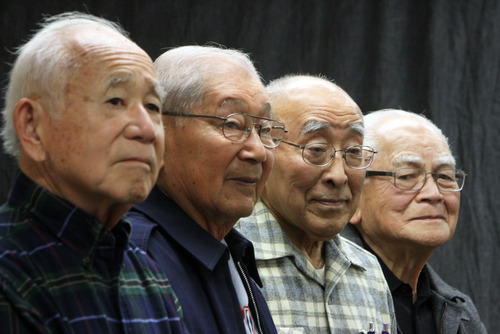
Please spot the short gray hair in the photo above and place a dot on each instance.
(184, 73)
(374, 118)
(279, 92)
(42, 67)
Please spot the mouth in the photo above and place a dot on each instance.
(137, 160)
(331, 202)
(433, 217)
(246, 181)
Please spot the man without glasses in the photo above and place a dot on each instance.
(83, 119)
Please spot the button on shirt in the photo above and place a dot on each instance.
(345, 298)
(62, 271)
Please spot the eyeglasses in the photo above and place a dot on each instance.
(237, 127)
(447, 179)
(322, 154)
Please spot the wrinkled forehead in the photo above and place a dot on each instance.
(101, 53)
(413, 145)
(94, 43)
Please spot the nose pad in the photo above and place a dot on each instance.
(258, 127)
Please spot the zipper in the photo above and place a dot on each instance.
(250, 293)
(442, 318)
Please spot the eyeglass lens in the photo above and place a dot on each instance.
(321, 154)
(237, 127)
(414, 178)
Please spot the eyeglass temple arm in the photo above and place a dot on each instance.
(191, 115)
(287, 142)
(378, 173)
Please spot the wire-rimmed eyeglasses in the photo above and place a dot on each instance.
(237, 127)
(322, 154)
(447, 179)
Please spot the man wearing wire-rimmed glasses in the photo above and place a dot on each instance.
(220, 139)
(314, 280)
(408, 208)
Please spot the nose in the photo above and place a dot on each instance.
(335, 172)
(253, 149)
(430, 191)
(142, 127)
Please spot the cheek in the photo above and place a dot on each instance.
(355, 181)
(453, 205)
(305, 178)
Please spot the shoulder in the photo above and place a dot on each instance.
(356, 254)
(142, 228)
(457, 298)
(445, 290)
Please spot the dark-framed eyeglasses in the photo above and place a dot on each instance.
(237, 127)
(322, 154)
(447, 179)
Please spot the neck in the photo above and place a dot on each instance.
(406, 263)
(312, 249)
(216, 225)
(105, 211)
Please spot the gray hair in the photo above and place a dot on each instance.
(278, 88)
(42, 68)
(374, 118)
(185, 72)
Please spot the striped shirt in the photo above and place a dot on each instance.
(350, 293)
(62, 271)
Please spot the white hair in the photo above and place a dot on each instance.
(373, 119)
(185, 72)
(42, 68)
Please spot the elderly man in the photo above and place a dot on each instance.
(83, 119)
(408, 208)
(314, 280)
(219, 150)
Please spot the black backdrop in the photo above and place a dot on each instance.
(439, 57)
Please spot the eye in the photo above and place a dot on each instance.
(153, 107)
(446, 175)
(408, 174)
(354, 152)
(265, 128)
(115, 101)
(316, 149)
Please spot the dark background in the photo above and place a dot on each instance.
(440, 58)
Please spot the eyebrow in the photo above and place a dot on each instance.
(314, 126)
(445, 160)
(406, 159)
(265, 109)
(118, 79)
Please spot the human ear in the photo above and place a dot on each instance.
(27, 116)
(356, 218)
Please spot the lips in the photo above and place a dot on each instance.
(330, 201)
(246, 180)
(433, 217)
(138, 160)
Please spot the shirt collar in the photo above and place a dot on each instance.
(271, 242)
(74, 227)
(182, 228)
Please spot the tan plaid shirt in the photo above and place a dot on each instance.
(354, 295)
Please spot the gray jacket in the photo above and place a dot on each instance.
(454, 312)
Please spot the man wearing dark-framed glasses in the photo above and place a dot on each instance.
(314, 280)
(408, 208)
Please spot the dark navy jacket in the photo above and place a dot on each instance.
(196, 264)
